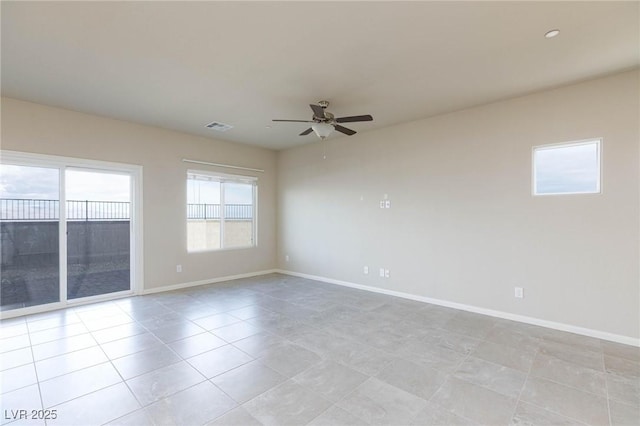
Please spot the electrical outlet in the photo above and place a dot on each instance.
(519, 292)
(178, 268)
(386, 273)
(382, 204)
(286, 258)
(365, 270)
(382, 272)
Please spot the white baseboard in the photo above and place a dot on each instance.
(208, 281)
(490, 312)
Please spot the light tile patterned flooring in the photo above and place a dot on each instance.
(279, 350)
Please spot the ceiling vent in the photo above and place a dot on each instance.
(221, 127)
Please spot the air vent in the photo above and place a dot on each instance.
(221, 127)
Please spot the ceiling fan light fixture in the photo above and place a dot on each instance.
(322, 129)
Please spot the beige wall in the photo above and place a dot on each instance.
(36, 128)
(463, 226)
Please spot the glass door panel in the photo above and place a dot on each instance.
(98, 232)
(30, 236)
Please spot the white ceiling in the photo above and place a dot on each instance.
(182, 65)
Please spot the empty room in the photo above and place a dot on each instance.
(320, 213)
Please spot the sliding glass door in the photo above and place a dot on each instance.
(30, 236)
(68, 231)
(98, 232)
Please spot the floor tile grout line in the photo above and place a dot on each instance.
(50, 328)
(578, 422)
(238, 404)
(110, 360)
(118, 372)
(292, 379)
(451, 374)
(606, 388)
(36, 373)
(181, 359)
(524, 385)
(71, 371)
(141, 406)
(547, 409)
(569, 386)
(59, 338)
(603, 371)
(165, 344)
(331, 405)
(549, 379)
(137, 352)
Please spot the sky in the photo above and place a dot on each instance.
(28, 182)
(567, 169)
(43, 184)
(208, 192)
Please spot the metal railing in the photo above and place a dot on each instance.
(28, 209)
(22, 209)
(212, 211)
(97, 210)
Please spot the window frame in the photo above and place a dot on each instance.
(590, 141)
(223, 178)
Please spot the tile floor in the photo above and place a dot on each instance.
(279, 350)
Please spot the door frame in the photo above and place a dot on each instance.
(136, 227)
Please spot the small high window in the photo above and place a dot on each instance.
(570, 168)
(221, 211)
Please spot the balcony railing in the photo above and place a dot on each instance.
(22, 209)
(212, 211)
(12, 209)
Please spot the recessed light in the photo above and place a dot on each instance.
(552, 33)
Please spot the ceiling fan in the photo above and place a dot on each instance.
(324, 123)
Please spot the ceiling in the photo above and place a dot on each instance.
(182, 65)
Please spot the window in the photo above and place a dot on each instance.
(220, 211)
(571, 168)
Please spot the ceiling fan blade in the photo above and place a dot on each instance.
(306, 132)
(344, 130)
(318, 111)
(296, 121)
(354, 118)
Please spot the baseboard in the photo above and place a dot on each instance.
(490, 312)
(208, 281)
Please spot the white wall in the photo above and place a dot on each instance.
(34, 128)
(463, 226)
